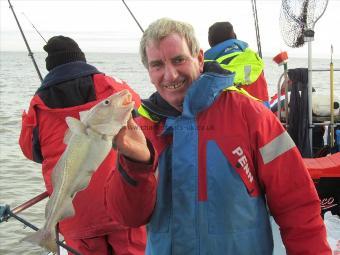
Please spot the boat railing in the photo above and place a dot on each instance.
(283, 116)
(331, 122)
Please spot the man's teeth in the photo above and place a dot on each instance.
(173, 85)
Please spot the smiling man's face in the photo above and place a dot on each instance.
(172, 68)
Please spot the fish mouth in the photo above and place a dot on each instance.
(174, 85)
(125, 98)
(128, 104)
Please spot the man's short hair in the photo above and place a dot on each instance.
(219, 32)
(164, 27)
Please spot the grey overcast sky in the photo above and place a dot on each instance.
(106, 26)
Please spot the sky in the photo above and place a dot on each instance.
(107, 26)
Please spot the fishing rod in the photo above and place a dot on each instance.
(30, 53)
(6, 213)
(34, 27)
(60, 243)
(30, 202)
(257, 31)
(133, 16)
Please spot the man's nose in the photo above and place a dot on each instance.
(170, 73)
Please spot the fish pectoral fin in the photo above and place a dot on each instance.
(105, 129)
(67, 136)
(83, 115)
(75, 125)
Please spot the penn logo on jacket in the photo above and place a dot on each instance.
(242, 160)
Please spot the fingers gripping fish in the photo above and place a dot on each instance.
(89, 141)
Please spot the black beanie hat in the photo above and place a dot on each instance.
(219, 32)
(62, 50)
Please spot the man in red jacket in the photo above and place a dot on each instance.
(207, 161)
(71, 87)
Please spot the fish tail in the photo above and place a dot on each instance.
(43, 238)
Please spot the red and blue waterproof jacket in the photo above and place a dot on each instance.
(215, 168)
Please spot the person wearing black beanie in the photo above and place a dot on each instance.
(71, 87)
(62, 50)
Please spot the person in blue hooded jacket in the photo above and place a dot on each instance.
(203, 161)
(235, 55)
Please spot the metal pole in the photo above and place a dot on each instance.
(30, 53)
(310, 91)
(279, 96)
(332, 98)
(286, 93)
(309, 37)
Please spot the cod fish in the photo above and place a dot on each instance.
(89, 141)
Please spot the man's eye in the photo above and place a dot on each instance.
(156, 65)
(106, 102)
(179, 60)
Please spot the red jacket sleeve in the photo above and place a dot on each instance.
(28, 123)
(131, 191)
(290, 192)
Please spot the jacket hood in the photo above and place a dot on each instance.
(65, 72)
(224, 48)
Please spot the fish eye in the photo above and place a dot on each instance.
(106, 102)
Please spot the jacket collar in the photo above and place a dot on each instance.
(156, 105)
(68, 71)
(201, 94)
(204, 91)
(224, 48)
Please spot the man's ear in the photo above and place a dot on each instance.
(200, 58)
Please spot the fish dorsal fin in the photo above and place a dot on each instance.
(75, 125)
(83, 115)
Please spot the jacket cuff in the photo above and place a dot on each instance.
(132, 171)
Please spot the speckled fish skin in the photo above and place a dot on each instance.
(88, 141)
